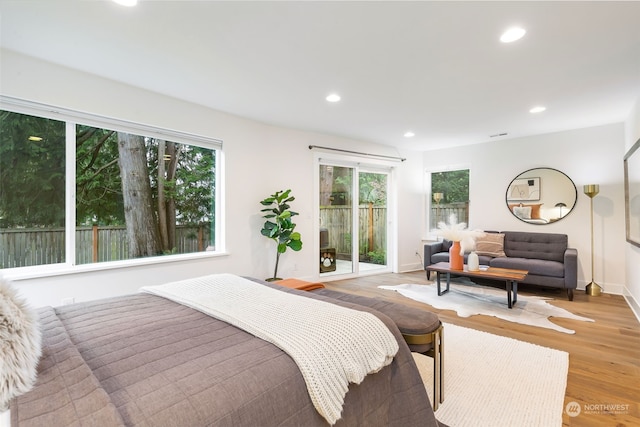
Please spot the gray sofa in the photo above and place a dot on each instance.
(547, 257)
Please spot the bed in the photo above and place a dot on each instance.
(144, 360)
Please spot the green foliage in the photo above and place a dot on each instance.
(192, 189)
(32, 173)
(453, 184)
(379, 256)
(279, 227)
(99, 198)
(373, 188)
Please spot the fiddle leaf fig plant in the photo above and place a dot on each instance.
(279, 226)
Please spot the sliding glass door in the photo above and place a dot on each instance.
(353, 213)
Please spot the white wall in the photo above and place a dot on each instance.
(632, 253)
(259, 160)
(587, 156)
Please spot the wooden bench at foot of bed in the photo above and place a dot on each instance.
(421, 329)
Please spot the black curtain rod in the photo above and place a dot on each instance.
(402, 159)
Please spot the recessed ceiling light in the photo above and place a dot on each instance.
(538, 109)
(409, 134)
(334, 97)
(512, 34)
(126, 2)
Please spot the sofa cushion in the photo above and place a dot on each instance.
(440, 257)
(544, 246)
(537, 267)
(491, 244)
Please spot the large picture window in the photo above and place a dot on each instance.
(135, 195)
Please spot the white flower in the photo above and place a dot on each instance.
(457, 232)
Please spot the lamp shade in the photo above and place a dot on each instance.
(591, 190)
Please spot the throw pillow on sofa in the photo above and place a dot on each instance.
(491, 244)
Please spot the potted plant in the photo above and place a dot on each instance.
(279, 226)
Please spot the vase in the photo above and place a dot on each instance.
(456, 261)
(473, 263)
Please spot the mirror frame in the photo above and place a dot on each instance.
(511, 201)
(632, 192)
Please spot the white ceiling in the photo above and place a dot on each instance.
(436, 68)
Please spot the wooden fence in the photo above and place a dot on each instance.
(443, 213)
(372, 234)
(27, 247)
(373, 220)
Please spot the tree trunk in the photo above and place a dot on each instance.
(167, 166)
(162, 209)
(142, 229)
(172, 151)
(326, 185)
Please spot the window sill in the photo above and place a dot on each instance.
(40, 271)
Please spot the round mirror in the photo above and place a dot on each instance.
(541, 196)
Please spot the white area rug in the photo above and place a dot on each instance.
(495, 381)
(471, 299)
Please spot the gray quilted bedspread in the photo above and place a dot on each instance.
(142, 360)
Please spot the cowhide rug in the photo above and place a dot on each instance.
(470, 299)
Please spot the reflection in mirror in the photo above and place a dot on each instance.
(541, 196)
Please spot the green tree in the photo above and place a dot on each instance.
(183, 184)
(453, 184)
(373, 188)
(98, 184)
(142, 227)
(32, 171)
(32, 178)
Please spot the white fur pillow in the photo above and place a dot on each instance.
(19, 344)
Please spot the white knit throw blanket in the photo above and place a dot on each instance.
(332, 345)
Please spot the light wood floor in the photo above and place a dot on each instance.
(604, 357)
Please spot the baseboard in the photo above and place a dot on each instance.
(633, 304)
(609, 288)
(615, 289)
(408, 268)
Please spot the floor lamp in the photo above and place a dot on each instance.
(437, 197)
(592, 288)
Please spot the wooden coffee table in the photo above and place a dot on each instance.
(510, 276)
